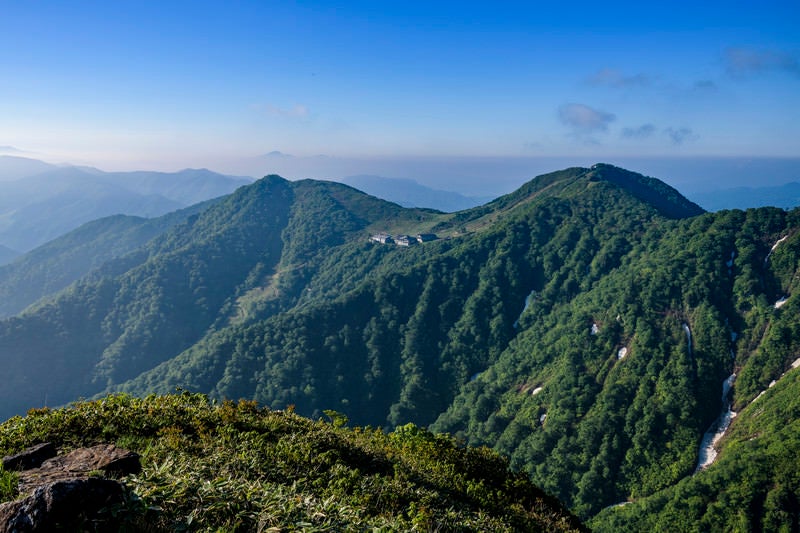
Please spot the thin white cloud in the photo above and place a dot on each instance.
(680, 136)
(296, 111)
(642, 132)
(745, 62)
(610, 77)
(584, 120)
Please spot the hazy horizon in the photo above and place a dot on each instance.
(489, 95)
(486, 177)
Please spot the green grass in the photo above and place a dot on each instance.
(237, 467)
(8, 485)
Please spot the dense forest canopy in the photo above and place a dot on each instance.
(582, 325)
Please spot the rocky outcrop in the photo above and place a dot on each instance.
(78, 464)
(71, 505)
(66, 491)
(33, 457)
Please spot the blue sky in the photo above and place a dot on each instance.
(167, 85)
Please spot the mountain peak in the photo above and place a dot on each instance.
(573, 183)
(666, 199)
(278, 154)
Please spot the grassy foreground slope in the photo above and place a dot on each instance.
(236, 467)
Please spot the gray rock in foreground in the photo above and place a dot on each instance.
(33, 457)
(78, 464)
(71, 505)
(64, 492)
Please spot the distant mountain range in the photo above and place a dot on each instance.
(7, 254)
(714, 183)
(39, 201)
(496, 175)
(409, 193)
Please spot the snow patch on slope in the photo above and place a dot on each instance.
(766, 259)
(708, 452)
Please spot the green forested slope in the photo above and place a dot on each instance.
(582, 325)
(595, 429)
(398, 344)
(145, 307)
(53, 266)
(753, 486)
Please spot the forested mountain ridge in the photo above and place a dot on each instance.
(53, 266)
(582, 325)
(147, 306)
(566, 183)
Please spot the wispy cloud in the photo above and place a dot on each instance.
(610, 77)
(296, 111)
(744, 62)
(679, 136)
(584, 120)
(642, 132)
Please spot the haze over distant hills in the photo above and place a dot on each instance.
(14, 167)
(39, 201)
(492, 176)
(7, 254)
(409, 193)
